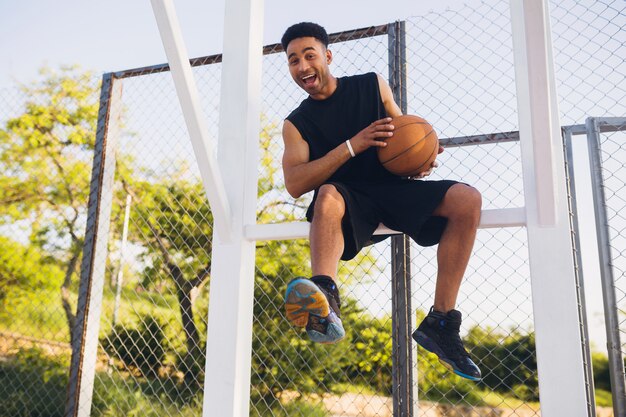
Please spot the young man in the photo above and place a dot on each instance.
(330, 148)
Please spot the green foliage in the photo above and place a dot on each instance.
(34, 313)
(142, 348)
(44, 154)
(174, 225)
(601, 372)
(604, 398)
(298, 407)
(509, 360)
(119, 396)
(29, 292)
(370, 359)
(26, 267)
(41, 388)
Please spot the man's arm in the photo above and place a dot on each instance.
(394, 110)
(302, 176)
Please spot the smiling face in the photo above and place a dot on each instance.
(308, 61)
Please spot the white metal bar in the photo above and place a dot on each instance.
(120, 271)
(85, 333)
(229, 339)
(582, 307)
(614, 344)
(187, 92)
(512, 217)
(559, 350)
(497, 218)
(533, 63)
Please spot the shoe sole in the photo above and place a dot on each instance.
(432, 347)
(302, 298)
(334, 333)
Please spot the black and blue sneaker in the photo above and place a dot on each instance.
(439, 334)
(314, 304)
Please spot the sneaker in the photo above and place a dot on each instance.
(327, 329)
(314, 304)
(439, 334)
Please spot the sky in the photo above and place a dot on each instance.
(114, 35)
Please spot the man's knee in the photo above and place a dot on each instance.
(462, 200)
(472, 198)
(471, 202)
(329, 202)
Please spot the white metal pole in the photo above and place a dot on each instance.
(120, 272)
(558, 339)
(187, 92)
(89, 308)
(494, 218)
(229, 339)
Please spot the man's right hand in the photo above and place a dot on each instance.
(372, 135)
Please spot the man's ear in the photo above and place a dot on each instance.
(329, 56)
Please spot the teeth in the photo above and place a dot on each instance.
(306, 77)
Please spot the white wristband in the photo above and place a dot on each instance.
(350, 148)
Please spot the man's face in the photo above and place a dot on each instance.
(308, 61)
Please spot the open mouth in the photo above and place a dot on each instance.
(309, 80)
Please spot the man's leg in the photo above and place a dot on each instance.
(439, 331)
(325, 236)
(314, 303)
(461, 206)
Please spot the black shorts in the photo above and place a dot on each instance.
(405, 206)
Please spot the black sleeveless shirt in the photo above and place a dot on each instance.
(325, 124)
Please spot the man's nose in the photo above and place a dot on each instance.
(303, 65)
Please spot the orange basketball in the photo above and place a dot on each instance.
(412, 148)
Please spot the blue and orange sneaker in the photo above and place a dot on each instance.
(314, 304)
(439, 334)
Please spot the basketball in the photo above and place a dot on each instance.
(412, 148)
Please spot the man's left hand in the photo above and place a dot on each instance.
(434, 165)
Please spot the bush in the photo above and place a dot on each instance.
(142, 348)
(508, 361)
(601, 372)
(26, 267)
(604, 398)
(33, 384)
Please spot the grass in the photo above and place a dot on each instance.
(494, 399)
(37, 314)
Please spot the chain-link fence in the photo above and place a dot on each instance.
(151, 353)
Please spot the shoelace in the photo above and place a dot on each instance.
(332, 293)
(453, 340)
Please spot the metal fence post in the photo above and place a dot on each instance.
(582, 306)
(402, 377)
(616, 361)
(85, 333)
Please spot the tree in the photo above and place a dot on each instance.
(174, 224)
(44, 154)
(509, 360)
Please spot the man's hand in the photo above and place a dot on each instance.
(434, 165)
(372, 135)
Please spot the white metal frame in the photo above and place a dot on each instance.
(555, 304)
(546, 216)
(187, 92)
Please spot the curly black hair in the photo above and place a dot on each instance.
(304, 29)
